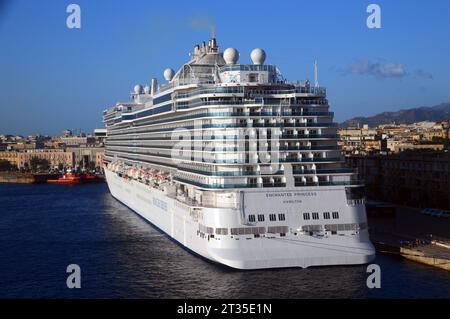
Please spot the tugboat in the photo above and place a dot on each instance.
(73, 178)
(67, 178)
(90, 178)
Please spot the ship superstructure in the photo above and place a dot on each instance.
(238, 165)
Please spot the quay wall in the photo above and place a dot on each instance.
(418, 256)
(24, 178)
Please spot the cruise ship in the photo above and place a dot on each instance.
(238, 165)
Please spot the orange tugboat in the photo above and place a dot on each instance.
(74, 178)
(67, 178)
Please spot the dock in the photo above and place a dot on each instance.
(25, 178)
(409, 234)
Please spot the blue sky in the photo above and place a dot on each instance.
(52, 77)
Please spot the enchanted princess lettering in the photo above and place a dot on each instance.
(295, 194)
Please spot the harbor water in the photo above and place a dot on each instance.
(45, 228)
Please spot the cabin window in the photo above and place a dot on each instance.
(253, 77)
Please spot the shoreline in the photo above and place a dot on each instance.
(31, 178)
(25, 178)
(407, 233)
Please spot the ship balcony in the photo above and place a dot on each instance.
(228, 137)
(323, 171)
(264, 115)
(254, 123)
(181, 103)
(356, 202)
(213, 90)
(239, 125)
(274, 161)
(293, 159)
(308, 148)
(309, 136)
(298, 183)
(268, 172)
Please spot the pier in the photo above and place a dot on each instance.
(25, 178)
(407, 233)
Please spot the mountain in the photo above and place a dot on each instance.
(406, 116)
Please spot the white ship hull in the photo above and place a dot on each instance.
(294, 249)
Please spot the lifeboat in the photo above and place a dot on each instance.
(162, 177)
(130, 172)
(153, 173)
(136, 173)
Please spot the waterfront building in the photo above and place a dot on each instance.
(77, 141)
(99, 158)
(11, 157)
(420, 179)
(54, 143)
(87, 150)
(100, 136)
(87, 156)
(55, 157)
(359, 140)
(393, 138)
(402, 147)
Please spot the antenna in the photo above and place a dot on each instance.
(316, 75)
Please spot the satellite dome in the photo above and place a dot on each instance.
(168, 74)
(231, 56)
(147, 89)
(138, 89)
(258, 56)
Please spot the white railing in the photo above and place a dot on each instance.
(356, 202)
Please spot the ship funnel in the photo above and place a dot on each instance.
(213, 44)
(153, 87)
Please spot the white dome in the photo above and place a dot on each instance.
(258, 56)
(138, 89)
(168, 74)
(231, 56)
(147, 89)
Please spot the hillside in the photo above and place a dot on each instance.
(406, 116)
